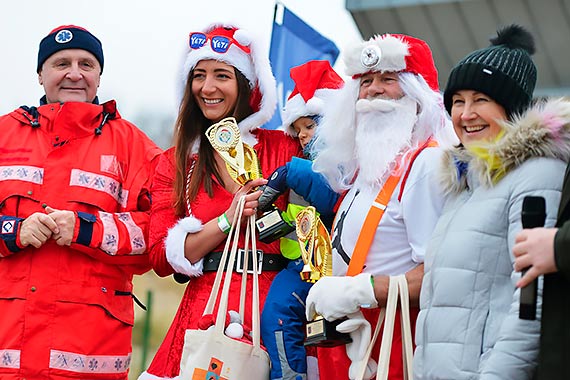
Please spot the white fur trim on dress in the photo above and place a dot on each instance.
(174, 245)
(147, 376)
(392, 55)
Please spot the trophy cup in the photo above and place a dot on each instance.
(242, 164)
(316, 252)
(240, 158)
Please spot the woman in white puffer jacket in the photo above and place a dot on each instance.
(468, 326)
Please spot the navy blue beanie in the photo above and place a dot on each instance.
(69, 37)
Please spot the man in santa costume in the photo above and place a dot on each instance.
(383, 127)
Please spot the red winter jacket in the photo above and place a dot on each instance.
(67, 312)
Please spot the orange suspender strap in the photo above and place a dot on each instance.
(375, 215)
(414, 155)
(372, 219)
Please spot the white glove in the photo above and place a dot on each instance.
(336, 297)
(360, 332)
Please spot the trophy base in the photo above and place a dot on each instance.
(322, 333)
(271, 226)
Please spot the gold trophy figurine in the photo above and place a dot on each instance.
(241, 159)
(316, 252)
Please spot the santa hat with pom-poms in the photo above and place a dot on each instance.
(315, 82)
(504, 71)
(236, 46)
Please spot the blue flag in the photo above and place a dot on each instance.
(293, 42)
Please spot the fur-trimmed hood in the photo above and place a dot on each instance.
(542, 131)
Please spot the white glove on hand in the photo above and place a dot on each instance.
(360, 331)
(336, 297)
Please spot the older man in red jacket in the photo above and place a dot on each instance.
(74, 212)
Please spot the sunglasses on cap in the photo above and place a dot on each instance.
(218, 43)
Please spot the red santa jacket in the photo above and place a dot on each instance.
(273, 149)
(68, 311)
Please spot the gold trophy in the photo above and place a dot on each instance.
(240, 158)
(243, 166)
(316, 252)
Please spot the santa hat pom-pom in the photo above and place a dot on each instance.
(242, 37)
(206, 321)
(234, 330)
(234, 316)
(315, 106)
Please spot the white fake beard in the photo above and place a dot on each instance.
(383, 132)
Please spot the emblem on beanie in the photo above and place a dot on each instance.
(63, 36)
(370, 56)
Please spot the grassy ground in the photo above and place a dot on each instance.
(166, 295)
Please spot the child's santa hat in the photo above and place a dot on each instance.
(392, 53)
(237, 47)
(315, 82)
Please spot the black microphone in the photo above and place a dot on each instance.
(533, 215)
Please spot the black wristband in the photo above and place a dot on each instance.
(85, 228)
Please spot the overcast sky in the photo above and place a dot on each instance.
(142, 41)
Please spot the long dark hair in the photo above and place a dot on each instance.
(190, 128)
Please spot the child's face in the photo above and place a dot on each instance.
(305, 129)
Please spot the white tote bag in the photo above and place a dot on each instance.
(210, 354)
(398, 286)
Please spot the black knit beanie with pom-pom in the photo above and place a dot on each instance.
(504, 71)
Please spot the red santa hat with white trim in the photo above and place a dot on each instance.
(392, 53)
(236, 46)
(315, 82)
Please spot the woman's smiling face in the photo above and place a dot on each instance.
(476, 116)
(215, 89)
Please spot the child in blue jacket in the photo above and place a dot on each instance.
(283, 316)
